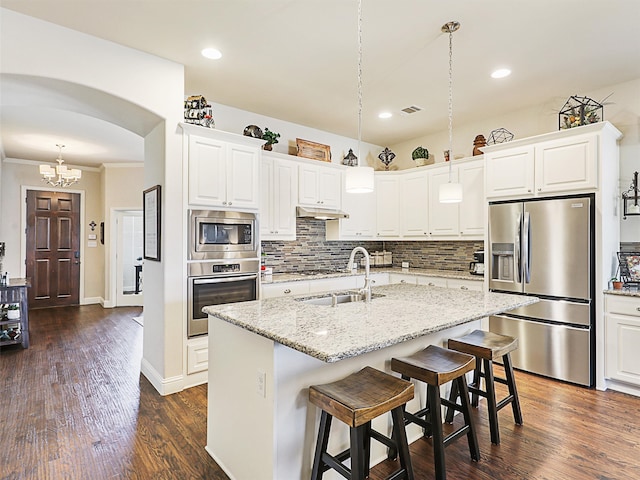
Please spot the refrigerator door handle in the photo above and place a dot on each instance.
(516, 252)
(526, 247)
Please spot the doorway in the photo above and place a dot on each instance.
(53, 248)
(128, 258)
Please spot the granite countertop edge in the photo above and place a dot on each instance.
(623, 293)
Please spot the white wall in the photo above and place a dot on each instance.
(150, 87)
(234, 120)
(623, 112)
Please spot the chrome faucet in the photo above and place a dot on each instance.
(366, 289)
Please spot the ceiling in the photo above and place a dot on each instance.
(295, 60)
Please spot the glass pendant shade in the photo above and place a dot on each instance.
(359, 180)
(450, 193)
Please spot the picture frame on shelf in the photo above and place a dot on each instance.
(313, 150)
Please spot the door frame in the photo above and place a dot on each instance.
(114, 214)
(23, 229)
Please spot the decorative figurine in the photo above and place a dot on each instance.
(499, 135)
(252, 131)
(478, 142)
(386, 157)
(350, 159)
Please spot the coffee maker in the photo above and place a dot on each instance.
(477, 266)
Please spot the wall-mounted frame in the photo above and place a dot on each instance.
(151, 225)
(629, 265)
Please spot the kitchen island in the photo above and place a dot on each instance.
(263, 355)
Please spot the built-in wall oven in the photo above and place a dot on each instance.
(214, 283)
(223, 266)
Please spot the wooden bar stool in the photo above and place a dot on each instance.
(437, 366)
(356, 400)
(488, 347)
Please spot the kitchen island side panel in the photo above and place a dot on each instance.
(287, 432)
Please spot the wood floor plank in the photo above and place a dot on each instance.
(74, 406)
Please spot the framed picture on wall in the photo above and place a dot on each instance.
(151, 224)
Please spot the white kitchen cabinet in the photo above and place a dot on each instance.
(414, 200)
(566, 164)
(622, 323)
(278, 195)
(465, 284)
(403, 278)
(559, 162)
(443, 217)
(319, 186)
(510, 172)
(431, 281)
(472, 209)
(361, 224)
(223, 169)
(387, 190)
(335, 283)
(283, 289)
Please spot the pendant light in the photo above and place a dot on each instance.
(450, 192)
(359, 179)
(60, 176)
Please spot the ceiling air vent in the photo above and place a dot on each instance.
(410, 110)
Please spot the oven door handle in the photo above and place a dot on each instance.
(202, 281)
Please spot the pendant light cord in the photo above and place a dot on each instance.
(450, 99)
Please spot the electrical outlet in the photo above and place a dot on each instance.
(261, 381)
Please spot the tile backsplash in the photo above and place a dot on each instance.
(310, 250)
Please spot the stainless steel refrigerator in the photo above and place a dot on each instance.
(545, 248)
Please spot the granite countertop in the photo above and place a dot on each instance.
(425, 272)
(404, 312)
(18, 282)
(630, 292)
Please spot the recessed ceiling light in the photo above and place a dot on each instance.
(212, 53)
(501, 73)
(385, 115)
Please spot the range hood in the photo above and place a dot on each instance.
(320, 213)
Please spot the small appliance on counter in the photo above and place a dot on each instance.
(477, 266)
(379, 259)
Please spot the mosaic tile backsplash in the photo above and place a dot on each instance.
(310, 251)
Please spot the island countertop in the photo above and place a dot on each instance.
(400, 312)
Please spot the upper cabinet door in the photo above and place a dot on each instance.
(387, 190)
(243, 176)
(473, 207)
(414, 193)
(567, 164)
(207, 171)
(510, 172)
(319, 186)
(443, 217)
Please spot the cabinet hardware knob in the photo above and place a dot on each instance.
(638, 309)
(229, 203)
(539, 189)
(403, 281)
(287, 290)
(224, 203)
(464, 288)
(529, 190)
(431, 284)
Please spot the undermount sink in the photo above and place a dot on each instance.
(333, 299)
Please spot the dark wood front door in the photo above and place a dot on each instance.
(53, 248)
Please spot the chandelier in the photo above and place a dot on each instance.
(60, 175)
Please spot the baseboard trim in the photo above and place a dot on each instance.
(92, 301)
(164, 386)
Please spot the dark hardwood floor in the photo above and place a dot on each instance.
(74, 406)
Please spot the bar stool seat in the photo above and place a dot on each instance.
(437, 366)
(356, 400)
(488, 347)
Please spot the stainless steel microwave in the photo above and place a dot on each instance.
(222, 235)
